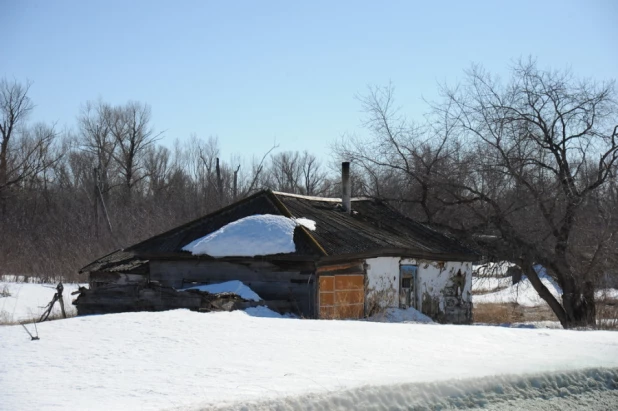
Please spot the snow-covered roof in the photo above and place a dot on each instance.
(262, 234)
(316, 198)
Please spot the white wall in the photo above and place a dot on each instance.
(433, 281)
(383, 281)
(434, 277)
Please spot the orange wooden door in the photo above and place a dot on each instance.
(342, 296)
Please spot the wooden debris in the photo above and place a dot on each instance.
(50, 306)
(117, 298)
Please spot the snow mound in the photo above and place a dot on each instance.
(262, 311)
(522, 293)
(235, 286)
(305, 222)
(397, 315)
(265, 312)
(264, 234)
(591, 389)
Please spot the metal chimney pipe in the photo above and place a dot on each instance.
(346, 190)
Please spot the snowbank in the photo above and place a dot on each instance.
(262, 311)
(522, 293)
(264, 234)
(592, 390)
(265, 312)
(235, 286)
(27, 301)
(155, 360)
(396, 315)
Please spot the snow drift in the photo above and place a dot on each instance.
(264, 234)
(592, 390)
(234, 286)
(397, 315)
(171, 359)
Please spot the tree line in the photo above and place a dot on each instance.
(523, 170)
(68, 197)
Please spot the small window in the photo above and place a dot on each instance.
(406, 282)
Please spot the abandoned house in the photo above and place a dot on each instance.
(344, 258)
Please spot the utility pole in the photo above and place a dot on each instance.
(236, 183)
(95, 175)
(219, 183)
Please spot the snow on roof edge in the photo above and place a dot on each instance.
(316, 198)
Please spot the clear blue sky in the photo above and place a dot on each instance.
(254, 72)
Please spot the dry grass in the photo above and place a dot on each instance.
(607, 314)
(510, 313)
(6, 320)
(496, 313)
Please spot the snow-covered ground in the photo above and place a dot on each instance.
(188, 360)
(27, 301)
(490, 284)
(609, 293)
(522, 293)
(500, 290)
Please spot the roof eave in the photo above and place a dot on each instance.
(403, 253)
(189, 256)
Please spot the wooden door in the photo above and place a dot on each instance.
(342, 296)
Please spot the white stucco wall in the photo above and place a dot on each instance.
(383, 281)
(435, 277)
(434, 282)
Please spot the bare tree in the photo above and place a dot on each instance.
(24, 152)
(313, 177)
(157, 168)
(517, 169)
(96, 138)
(295, 172)
(131, 129)
(401, 159)
(14, 107)
(553, 140)
(284, 171)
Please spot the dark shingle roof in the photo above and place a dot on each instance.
(118, 261)
(373, 226)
